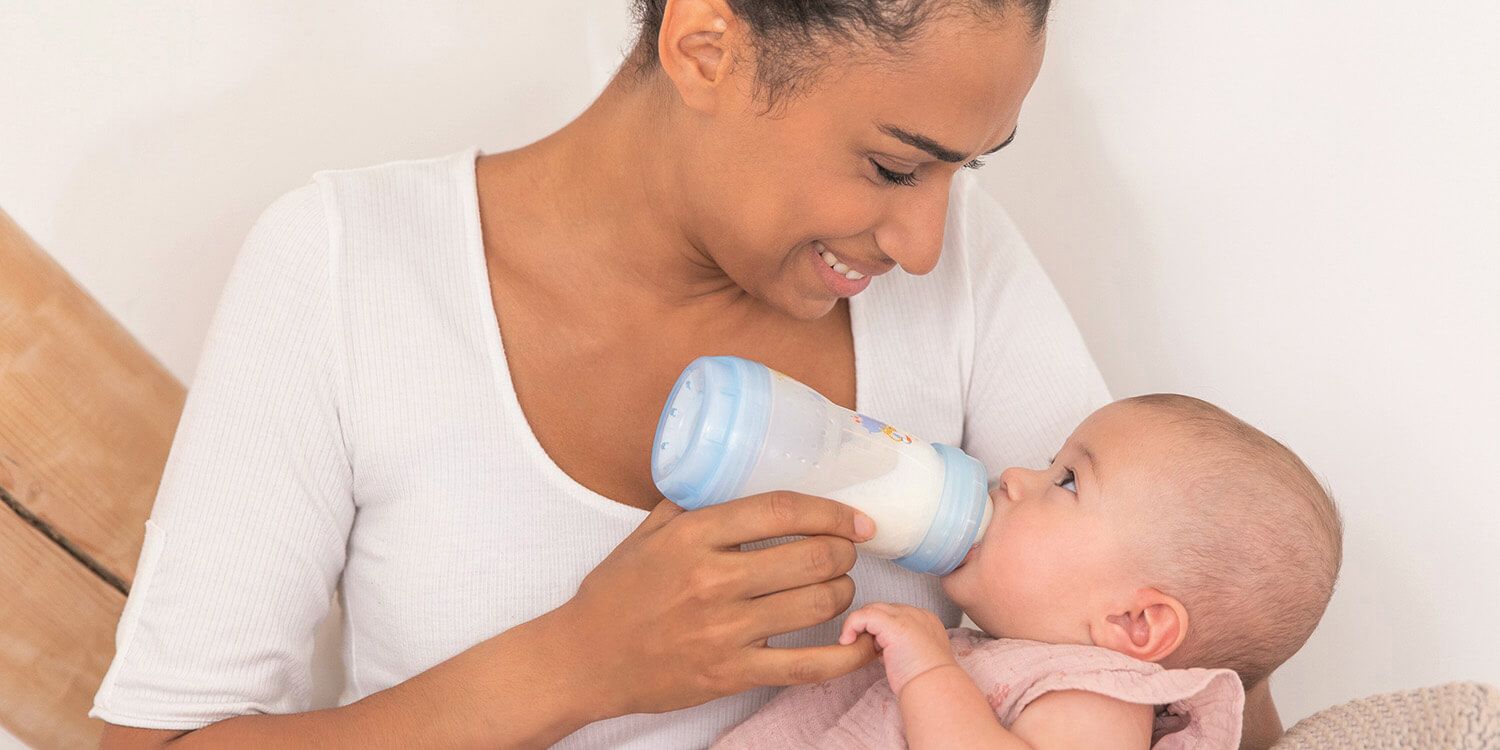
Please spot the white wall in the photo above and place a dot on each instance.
(139, 141)
(1293, 209)
(1290, 208)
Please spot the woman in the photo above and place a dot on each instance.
(433, 386)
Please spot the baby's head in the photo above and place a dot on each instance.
(1165, 529)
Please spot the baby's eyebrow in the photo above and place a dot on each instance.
(1088, 455)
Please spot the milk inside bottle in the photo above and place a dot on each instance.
(732, 428)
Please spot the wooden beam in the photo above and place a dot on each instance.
(56, 639)
(86, 414)
(86, 420)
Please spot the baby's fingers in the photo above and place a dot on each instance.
(871, 618)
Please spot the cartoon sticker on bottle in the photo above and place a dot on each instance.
(875, 426)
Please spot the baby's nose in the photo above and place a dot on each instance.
(1009, 484)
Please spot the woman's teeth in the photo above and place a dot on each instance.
(839, 268)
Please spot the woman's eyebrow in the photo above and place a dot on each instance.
(938, 151)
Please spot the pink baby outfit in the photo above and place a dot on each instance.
(1198, 708)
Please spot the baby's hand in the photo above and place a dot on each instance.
(912, 640)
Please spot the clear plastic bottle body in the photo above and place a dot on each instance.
(734, 428)
(817, 447)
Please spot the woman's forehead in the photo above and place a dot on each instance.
(962, 90)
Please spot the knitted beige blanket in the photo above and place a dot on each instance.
(1457, 716)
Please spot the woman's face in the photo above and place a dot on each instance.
(857, 167)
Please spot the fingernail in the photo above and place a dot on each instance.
(863, 526)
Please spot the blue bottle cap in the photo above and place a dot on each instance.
(960, 511)
(711, 430)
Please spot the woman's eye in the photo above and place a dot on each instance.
(904, 179)
(1069, 482)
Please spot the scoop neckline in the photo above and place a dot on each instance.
(466, 168)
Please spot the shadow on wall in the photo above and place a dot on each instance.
(1328, 665)
(1076, 211)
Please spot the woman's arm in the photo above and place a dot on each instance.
(541, 694)
(1262, 723)
(677, 615)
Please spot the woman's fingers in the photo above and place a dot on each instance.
(796, 666)
(804, 607)
(660, 516)
(773, 514)
(684, 612)
(794, 564)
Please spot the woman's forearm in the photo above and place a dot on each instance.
(523, 688)
(1262, 723)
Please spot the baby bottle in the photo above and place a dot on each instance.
(733, 427)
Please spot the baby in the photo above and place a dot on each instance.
(1169, 555)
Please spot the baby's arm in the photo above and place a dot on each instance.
(942, 707)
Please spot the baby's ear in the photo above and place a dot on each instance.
(1147, 625)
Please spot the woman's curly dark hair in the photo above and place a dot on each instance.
(787, 35)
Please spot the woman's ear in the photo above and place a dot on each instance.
(693, 49)
(1149, 626)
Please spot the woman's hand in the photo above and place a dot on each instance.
(912, 640)
(678, 615)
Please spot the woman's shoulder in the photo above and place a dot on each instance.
(392, 192)
(392, 208)
(391, 176)
(399, 196)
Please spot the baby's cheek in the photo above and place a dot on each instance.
(1014, 560)
(1026, 580)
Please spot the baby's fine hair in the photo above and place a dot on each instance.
(1254, 547)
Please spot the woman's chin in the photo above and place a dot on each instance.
(805, 307)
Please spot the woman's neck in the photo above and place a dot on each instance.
(598, 201)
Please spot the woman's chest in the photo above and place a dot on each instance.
(593, 405)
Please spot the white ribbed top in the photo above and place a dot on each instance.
(353, 427)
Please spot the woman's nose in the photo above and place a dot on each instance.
(913, 234)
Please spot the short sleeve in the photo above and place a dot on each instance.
(247, 538)
(1031, 379)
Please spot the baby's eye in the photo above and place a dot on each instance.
(1069, 482)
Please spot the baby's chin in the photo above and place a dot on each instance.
(961, 586)
(965, 586)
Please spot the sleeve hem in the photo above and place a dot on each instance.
(123, 719)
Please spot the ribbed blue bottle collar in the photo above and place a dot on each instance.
(960, 512)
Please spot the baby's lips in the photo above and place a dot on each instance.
(997, 490)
